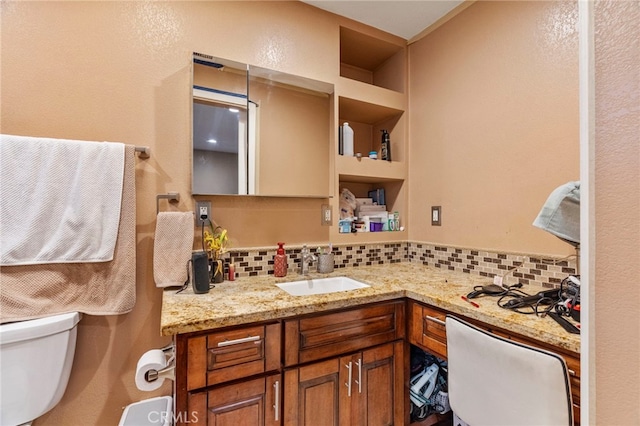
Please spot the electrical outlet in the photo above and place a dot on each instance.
(436, 215)
(203, 212)
(326, 215)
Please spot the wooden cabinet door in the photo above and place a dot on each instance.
(377, 387)
(255, 402)
(315, 395)
(366, 388)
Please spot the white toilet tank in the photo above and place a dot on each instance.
(35, 364)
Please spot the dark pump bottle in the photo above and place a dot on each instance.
(386, 146)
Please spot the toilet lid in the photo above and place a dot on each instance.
(24, 330)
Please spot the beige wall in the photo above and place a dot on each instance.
(617, 213)
(493, 109)
(120, 71)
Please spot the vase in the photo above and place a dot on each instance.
(217, 271)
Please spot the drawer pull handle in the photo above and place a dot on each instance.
(434, 319)
(238, 341)
(572, 373)
(359, 381)
(276, 404)
(348, 384)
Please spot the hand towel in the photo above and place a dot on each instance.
(100, 288)
(61, 200)
(172, 248)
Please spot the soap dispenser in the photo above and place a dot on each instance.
(280, 265)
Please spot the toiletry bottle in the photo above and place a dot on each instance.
(232, 272)
(347, 140)
(386, 146)
(280, 262)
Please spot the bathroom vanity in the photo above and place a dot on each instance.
(247, 352)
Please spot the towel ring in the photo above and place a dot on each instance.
(172, 197)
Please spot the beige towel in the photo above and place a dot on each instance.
(106, 288)
(172, 248)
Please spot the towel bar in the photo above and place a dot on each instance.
(143, 151)
(173, 197)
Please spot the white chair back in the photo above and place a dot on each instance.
(495, 381)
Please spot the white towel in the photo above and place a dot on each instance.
(172, 248)
(61, 200)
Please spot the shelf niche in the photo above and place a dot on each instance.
(372, 60)
(394, 198)
(367, 121)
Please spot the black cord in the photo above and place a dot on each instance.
(513, 301)
(186, 283)
(202, 233)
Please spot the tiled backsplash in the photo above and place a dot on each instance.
(530, 269)
(259, 261)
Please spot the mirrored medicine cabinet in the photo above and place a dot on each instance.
(259, 132)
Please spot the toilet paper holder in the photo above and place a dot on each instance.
(166, 373)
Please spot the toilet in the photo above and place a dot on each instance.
(35, 363)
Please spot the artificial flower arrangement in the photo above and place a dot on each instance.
(216, 242)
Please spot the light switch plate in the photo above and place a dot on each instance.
(436, 215)
(326, 219)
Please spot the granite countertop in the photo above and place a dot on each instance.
(254, 299)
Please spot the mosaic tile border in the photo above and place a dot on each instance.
(259, 261)
(526, 269)
(529, 269)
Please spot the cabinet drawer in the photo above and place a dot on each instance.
(320, 336)
(428, 329)
(232, 354)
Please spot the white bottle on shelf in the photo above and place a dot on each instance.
(347, 140)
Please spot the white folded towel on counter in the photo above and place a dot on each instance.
(172, 247)
(61, 200)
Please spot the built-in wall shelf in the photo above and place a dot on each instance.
(368, 120)
(366, 112)
(354, 169)
(372, 60)
(370, 95)
(371, 237)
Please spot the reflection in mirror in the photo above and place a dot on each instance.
(271, 131)
(219, 126)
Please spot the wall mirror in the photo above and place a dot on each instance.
(259, 132)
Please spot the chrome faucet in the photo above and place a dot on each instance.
(306, 258)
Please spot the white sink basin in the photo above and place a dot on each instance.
(321, 286)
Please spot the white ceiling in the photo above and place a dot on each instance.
(403, 18)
